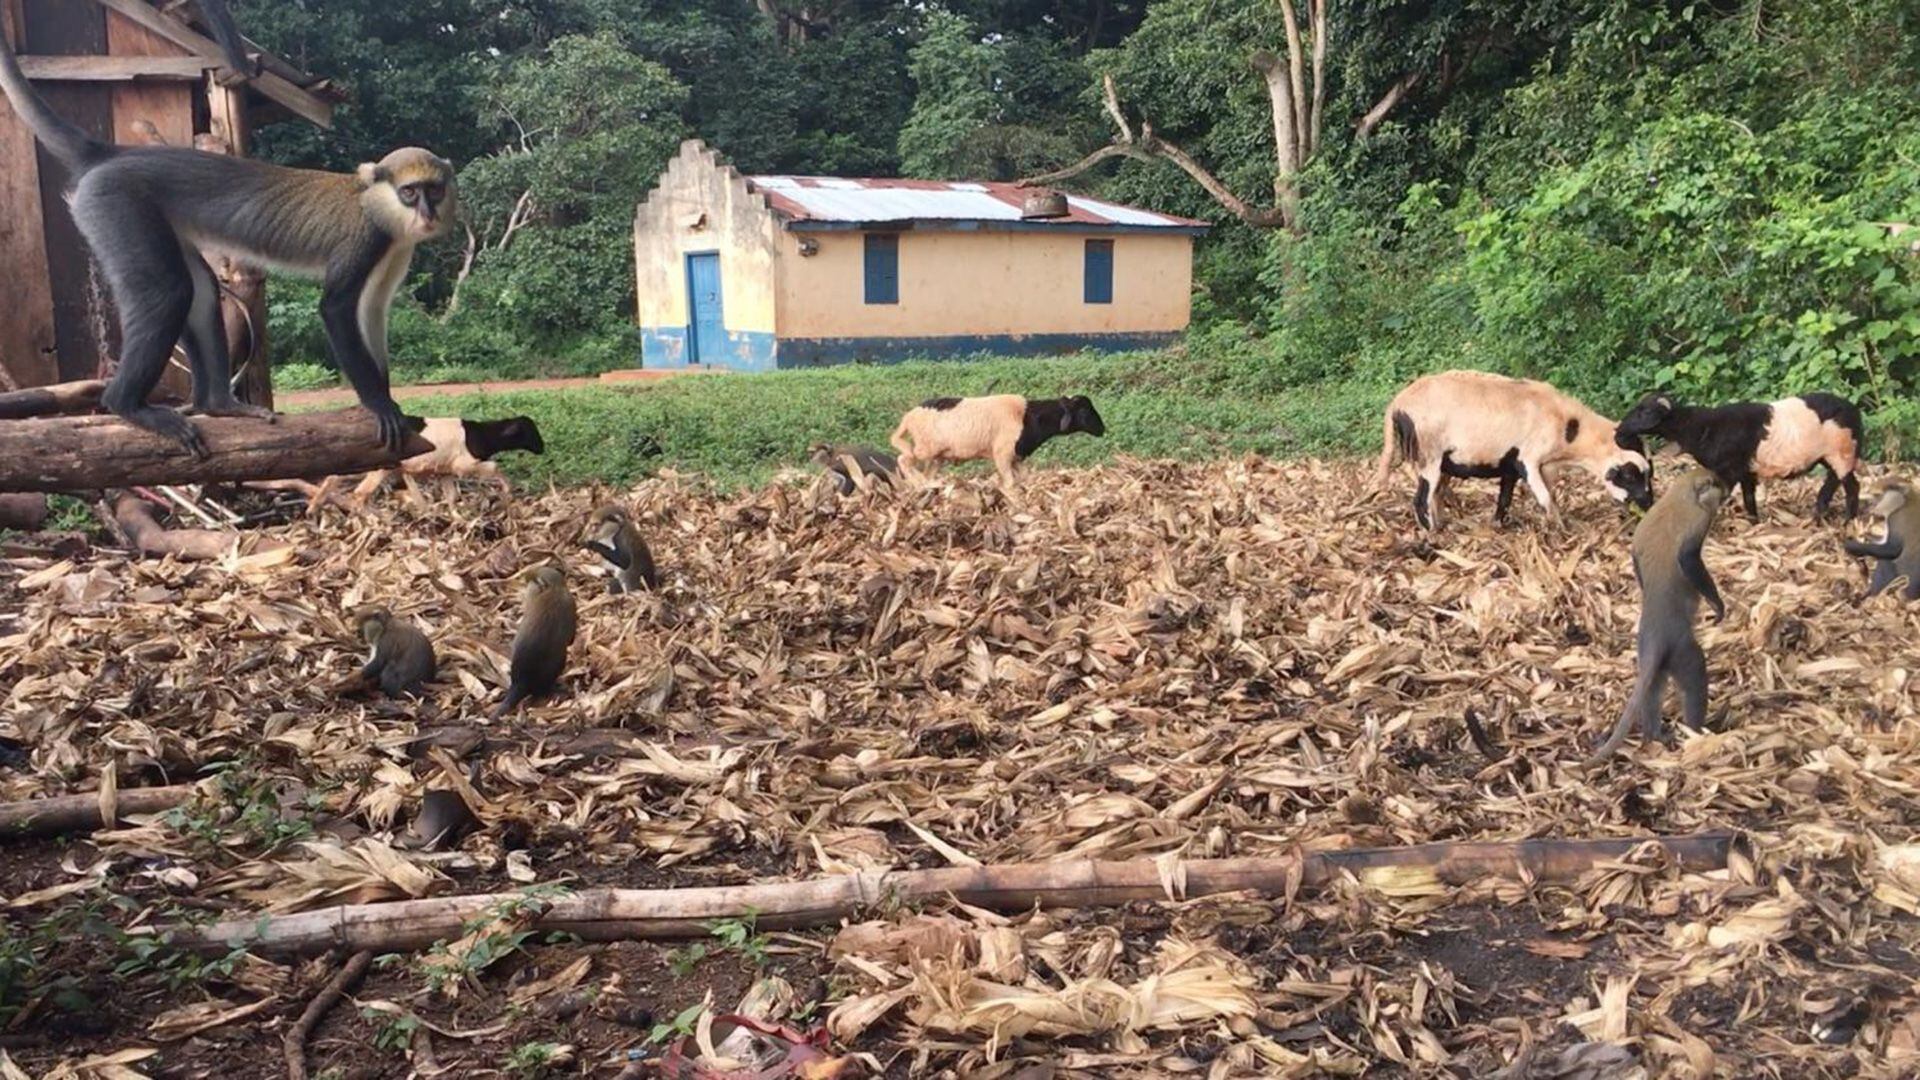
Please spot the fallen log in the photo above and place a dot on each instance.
(138, 521)
(59, 399)
(85, 813)
(86, 453)
(646, 914)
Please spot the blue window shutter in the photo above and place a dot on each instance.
(1099, 272)
(883, 268)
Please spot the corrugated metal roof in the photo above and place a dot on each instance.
(838, 200)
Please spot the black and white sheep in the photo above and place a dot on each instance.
(1751, 441)
(1005, 429)
(1479, 425)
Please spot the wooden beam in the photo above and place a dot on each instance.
(112, 68)
(90, 453)
(28, 345)
(280, 89)
(57, 399)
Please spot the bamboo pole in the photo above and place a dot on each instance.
(85, 813)
(643, 914)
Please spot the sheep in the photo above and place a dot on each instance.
(1479, 425)
(460, 448)
(1750, 441)
(1006, 428)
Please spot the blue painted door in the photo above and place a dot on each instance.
(706, 325)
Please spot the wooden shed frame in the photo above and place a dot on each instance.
(127, 72)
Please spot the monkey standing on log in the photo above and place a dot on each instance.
(1673, 580)
(1898, 551)
(547, 624)
(147, 212)
(402, 657)
(613, 538)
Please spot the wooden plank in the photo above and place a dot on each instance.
(171, 68)
(82, 320)
(27, 343)
(273, 86)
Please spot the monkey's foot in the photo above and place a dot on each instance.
(169, 424)
(232, 407)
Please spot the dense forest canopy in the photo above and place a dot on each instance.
(1608, 193)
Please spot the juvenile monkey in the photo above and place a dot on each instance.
(148, 212)
(1898, 551)
(879, 464)
(613, 538)
(1673, 580)
(547, 624)
(402, 657)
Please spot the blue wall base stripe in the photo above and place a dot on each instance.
(668, 347)
(820, 352)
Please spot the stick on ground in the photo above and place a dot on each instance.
(294, 1046)
(82, 813)
(645, 914)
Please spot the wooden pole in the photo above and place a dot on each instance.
(641, 914)
(85, 813)
(59, 399)
(90, 453)
(138, 521)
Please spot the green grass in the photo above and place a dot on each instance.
(739, 429)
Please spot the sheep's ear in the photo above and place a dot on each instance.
(1066, 419)
(1663, 401)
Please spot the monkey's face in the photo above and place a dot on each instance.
(1892, 497)
(413, 190)
(373, 627)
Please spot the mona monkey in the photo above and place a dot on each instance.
(402, 656)
(1673, 580)
(547, 623)
(878, 464)
(1899, 551)
(611, 536)
(147, 212)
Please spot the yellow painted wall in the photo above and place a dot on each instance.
(701, 205)
(983, 283)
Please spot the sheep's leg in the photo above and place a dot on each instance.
(367, 487)
(1851, 485)
(1508, 481)
(1537, 483)
(1747, 485)
(1005, 459)
(1827, 488)
(1426, 502)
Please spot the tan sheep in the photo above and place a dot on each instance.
(1005, 429)
(1475, 424)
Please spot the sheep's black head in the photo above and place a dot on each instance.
(1630, 482)
(486, 438)
(1079, 415)
(1643, 419)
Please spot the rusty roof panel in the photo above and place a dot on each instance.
(851, 201)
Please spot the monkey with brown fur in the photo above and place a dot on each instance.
(148, 212)
(613, 538)
(1898, 551)
(1673, 579)
(402, 657)
(878, 464)
(547, 624)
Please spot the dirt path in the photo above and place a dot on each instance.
(344, 396)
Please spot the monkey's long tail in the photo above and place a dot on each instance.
(1643, 685)
(71, 145)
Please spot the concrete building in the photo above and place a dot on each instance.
(753, 273)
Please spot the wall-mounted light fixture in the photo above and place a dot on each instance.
(809, 246)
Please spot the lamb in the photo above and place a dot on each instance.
(1480, 425)
(1750, 441)
(460, 448)
(1005, 428)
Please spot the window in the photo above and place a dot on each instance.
(1099, 272)
(883, 268)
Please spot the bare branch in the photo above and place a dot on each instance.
(1112, 150)
(1319, 20)
(1296, 75)
(1252, 215)
(1113, 108)
(1395, 93)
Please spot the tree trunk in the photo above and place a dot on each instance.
(90, 453)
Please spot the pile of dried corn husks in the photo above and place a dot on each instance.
(1125, 662)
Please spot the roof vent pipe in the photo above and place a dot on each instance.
(1044, 204)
